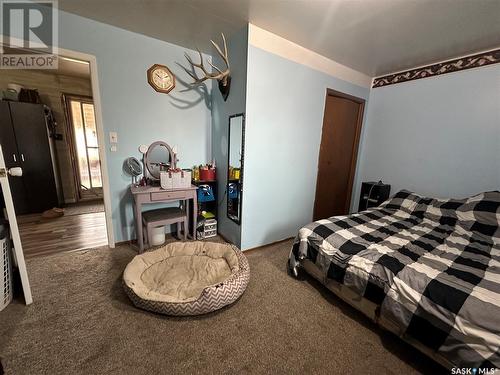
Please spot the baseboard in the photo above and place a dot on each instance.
(90, 199)
(267, 245)
(133, 243)
(127, 242)
(224, 238)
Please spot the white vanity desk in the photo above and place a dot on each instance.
(155, 194)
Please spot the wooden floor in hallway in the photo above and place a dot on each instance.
(41, 236)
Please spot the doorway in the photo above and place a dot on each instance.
(84, 224)
(84, 146)
(338, 152)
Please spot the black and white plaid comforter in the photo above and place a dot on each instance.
(432, 265)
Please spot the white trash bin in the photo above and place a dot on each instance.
(158, 236)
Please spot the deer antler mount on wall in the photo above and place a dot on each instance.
(222, 76)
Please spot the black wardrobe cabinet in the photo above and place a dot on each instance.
(25, 142)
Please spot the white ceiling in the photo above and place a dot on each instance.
(73, 68)
(373, 36)
(65, 65)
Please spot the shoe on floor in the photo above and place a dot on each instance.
(53, 213)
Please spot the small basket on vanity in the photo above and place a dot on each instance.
(175, 179)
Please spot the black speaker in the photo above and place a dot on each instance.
(373, 194)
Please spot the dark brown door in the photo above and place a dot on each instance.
(337, 154)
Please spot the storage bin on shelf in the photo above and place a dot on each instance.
(208, 229)
(205, 193)
(207, 174)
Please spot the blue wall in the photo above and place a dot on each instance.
(131, 107)
(236, 102)
(436, 136)
(285, 106)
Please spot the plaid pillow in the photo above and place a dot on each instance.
(479, 213)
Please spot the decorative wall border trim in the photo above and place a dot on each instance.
(463, 63)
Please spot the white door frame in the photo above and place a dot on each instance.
(94, 78)
(14, 230)
(96, 97)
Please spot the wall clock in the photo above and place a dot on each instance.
(161, 78)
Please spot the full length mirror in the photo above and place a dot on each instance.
(235, 166)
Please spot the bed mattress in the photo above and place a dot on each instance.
(432, 267)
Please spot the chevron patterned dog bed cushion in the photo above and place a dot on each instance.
(187, 278)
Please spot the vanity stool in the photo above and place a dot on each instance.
(161, 217)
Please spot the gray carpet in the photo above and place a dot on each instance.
(83, 323)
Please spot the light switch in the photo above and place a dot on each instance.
(113, 148)
(113, 137)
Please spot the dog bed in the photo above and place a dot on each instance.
(187, 278)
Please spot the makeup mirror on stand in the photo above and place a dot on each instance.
(133, 168)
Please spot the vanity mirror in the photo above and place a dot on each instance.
(159, 157)
(133, 168)
(236, 135)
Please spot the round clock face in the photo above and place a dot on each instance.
(161, 78)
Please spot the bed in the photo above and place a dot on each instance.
(426, 269)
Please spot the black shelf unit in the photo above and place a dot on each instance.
(211, 206)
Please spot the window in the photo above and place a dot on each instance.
(86, 144)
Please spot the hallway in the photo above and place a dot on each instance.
(82, 227)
